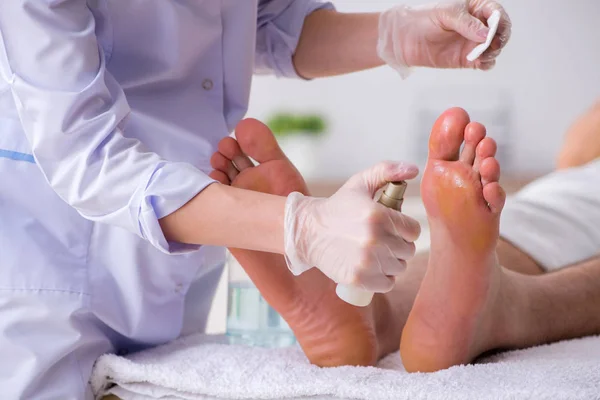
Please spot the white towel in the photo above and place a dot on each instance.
(199, 367)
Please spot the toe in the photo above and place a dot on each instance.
(447, 135)
(230, 148)
(489, 171)
(220, 177)
(474, 133)
(485, 149)
(221, 163)
(257, 141)
(495, 196)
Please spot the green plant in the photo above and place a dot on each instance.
(284, 124)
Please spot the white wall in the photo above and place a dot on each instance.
(548, 74)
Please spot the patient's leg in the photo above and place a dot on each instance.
(563, 304)
(559, 305)
(467, 303)
(459, 309)
(582, 142)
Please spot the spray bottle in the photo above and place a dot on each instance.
(392, 197)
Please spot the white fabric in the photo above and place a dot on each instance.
(556, 219)
(195, 368)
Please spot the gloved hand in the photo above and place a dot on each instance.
(350, 237)
(440, 35)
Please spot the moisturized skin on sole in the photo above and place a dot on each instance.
(331, 332)
(455, 317)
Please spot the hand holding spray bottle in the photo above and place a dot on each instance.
(392, 197)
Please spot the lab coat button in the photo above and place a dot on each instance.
(178, 288)
(207, 84)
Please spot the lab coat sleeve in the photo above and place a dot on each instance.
(279, 26)
(74, 113)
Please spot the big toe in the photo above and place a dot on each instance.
(257, 141)
(447, 135)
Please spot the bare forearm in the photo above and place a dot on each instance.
(225, 216)
(334, 43)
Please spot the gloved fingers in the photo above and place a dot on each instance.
(401, 226)
(496, 44)
(374, 178)
(374, 271)
(369, 277)
(486, 65)
(485, 62)
(483, 9)
(382, 285)
(489, 55)
(504, 32)
(396, 249)
(459, 19)
(394, 268)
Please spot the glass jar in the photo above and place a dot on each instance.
(250, 319)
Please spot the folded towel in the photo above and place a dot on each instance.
(204, 367)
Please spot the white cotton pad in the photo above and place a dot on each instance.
(492, 23)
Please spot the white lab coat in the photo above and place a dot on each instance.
(109, 113)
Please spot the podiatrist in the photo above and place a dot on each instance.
(111, 231)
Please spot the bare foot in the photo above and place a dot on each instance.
(456, 312)
(331, 332)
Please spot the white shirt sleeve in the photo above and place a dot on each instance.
(279, 27)
(74, 113)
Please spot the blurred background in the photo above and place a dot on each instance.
(547, 76)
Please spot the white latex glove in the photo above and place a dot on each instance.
(350, 237)
(440, 35)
